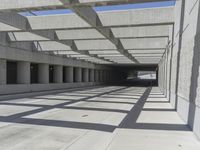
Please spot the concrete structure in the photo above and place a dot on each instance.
(69, 74)
(55, 54)
(23, 72)
(43, 73)
(179, 67)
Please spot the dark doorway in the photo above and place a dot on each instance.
(137, 75)
(34, 73)
(82, 74)
(11, 72)
(89, 75)
(74, 74)
(51, 73)
(64, 75)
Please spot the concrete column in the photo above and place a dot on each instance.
(58, 74)
(23, 72)
(43, 73)
(91, 75)
(78, 74)
(85, 75)
(2, 71)
(69, 74)
(96, 75)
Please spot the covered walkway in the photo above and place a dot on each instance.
(100, 118)
(99, 74)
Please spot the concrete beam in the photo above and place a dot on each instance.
(91, 17)
(24, 55)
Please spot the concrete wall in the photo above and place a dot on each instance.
(179, 71)
(25, 88)
(24, 56)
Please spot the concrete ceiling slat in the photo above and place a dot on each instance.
(78, 34)
(94, 44)
(144, 43)
(142, 32)
(155, 16)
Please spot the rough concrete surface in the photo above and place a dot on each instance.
(103, 118)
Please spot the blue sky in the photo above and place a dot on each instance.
(104, 8)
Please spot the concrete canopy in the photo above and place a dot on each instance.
(128, 36)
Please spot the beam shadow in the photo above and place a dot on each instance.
(114, 102)
(60, 99)
(154, 109)
(157, 101)
(134, 113)
(118, 97)
(96, 109)
(129, 122)
(19, 115)
(59, 123)
(159, 126)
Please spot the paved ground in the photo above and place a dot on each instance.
(103, 118)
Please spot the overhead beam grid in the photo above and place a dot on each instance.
(133, 36)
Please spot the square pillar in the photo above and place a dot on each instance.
(2, 71)
(23, 72)
(78, 74)
(43, 73)
(69, 74)
(58, 74)
(85, 75)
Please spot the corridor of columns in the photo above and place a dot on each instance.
(99, 74)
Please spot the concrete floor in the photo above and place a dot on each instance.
(103, 118)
